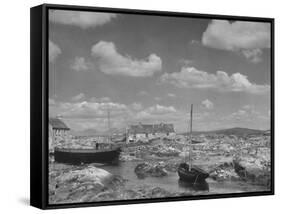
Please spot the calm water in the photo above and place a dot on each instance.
(171, 182)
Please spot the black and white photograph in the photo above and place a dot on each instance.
(151, 106)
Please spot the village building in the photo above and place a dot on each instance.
(150, 131)
(58, 133)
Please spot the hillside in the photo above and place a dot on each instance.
(232, 131)
(238, 131)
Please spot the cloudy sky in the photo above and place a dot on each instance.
(150, 69)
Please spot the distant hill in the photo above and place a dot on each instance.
(238, 131)
(232, 131)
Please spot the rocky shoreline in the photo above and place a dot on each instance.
(227, 159)
(95, 184)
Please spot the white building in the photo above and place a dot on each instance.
(149, 131)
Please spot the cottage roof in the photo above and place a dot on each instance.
(151, 128)
(56, 123)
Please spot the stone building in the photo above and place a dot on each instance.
(58, 133)
(150, 131)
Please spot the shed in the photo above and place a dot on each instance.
(58, 133)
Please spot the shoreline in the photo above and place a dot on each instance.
(230, 170)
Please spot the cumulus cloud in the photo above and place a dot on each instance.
(54, 51)
(78, 97)
(102, 99)
(79, 64)
(92, 114)
(207, 104)
(98, 108)
(222, 34)
(171, 95)
(159, 109)
(112, 62)
(250, 114)
(87, 109)
(245, 113)
(136, 106)
(247, 107)
(156, 112)
(253, 55)
(240, 114)
(246, 37)
(80, 19)
(190, 77)
(83, 114)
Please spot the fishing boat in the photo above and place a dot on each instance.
(103, 153)
(79, 156)
(187, 171)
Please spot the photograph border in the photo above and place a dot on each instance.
(39, 92)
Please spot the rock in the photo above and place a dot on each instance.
(80, 185)
(91, 174)
(125, 157)
(253, 169)
(162, 150)
(224, 172)
(145, 191)
(146, 169)
(171, 166)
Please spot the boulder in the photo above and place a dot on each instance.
(224, 172)
(147, 169)
(171, 166)
(253, 169)
(162, 151)
(80, 185)
(89, 174)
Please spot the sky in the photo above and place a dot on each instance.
(150, 69)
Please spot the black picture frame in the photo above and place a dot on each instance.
(39, 105)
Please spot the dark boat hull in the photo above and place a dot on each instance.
(196, 175)
(80, 156)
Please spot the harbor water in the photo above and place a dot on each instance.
(171, 182)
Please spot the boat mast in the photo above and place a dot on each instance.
(190, 140)
(54, 80)
(108, 120)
